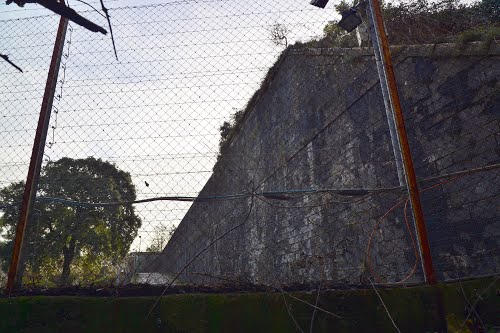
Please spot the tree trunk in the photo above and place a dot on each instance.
(20, 273)
(69, 254)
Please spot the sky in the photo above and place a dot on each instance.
(184, 68)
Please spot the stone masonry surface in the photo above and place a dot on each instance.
(320, 123)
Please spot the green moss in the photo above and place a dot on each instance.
(416, 309)
(479, 34)
(485, 34)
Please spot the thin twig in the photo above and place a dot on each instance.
(382, 301)
(478, 298)
(270, 286)
(6, 58)
(315, 308)
(97, 10)
(199, 254)
(468, 303)
(290, 313)
(305, 302)
(105, 10)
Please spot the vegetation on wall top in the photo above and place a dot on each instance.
(407, 23)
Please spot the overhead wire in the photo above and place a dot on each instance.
(286, 194)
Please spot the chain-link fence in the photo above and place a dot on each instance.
(235, 143)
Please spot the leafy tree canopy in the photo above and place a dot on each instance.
(69, 244)
(425, 22)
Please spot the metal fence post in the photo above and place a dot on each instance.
(411, 179)
(372, 30)
(31, 185)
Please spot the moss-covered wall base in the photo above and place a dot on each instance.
(442, 308)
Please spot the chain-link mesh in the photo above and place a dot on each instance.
(235, 143)
(453, 128)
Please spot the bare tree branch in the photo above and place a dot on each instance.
(278, 34)
(383, 304)
(6, 58)
(478, 298)
(290, 313)
(315, 308)
(105, 10)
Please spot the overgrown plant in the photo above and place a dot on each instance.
(229, 128)
(425, 22)
(407, 23)
(279, 33)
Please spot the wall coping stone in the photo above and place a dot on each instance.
(422, 50)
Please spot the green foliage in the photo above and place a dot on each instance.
(335, 36)
(439, 308)
(486, 34)
(71, 244)
(3, 278)
(228, 129)
(225, 130)
(343, 6)
(424, 22)
(410, 22)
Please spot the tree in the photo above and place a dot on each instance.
(60, 236)
(228, 128)
(425, 22)
(334, 35)
(279, 34)
(162, 235)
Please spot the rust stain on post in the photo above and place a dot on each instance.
(411, 179)
(37, 154)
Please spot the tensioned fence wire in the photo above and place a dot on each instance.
(28, 43)
(183, 69)
(213, 153)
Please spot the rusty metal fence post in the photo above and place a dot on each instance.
(411, 178)
(37, 153)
